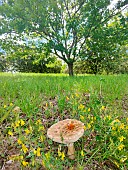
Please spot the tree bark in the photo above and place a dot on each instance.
(70, 69)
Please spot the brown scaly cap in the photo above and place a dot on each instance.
(66, 131)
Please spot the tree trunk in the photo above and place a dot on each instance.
(70, 69)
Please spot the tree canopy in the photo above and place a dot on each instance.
(70, 29)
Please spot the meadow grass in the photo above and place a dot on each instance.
(31, 103)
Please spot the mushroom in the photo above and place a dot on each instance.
(16, 109)
(67, 132)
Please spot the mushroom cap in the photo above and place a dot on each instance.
(66, 131)
(16, 109)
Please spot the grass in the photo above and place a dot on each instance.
(31, 103)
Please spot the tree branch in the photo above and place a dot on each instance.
(66, 5)
(55, 52)
(90, 30)
(80, 6)
(109, 17)
(62, 20)
(74, 43)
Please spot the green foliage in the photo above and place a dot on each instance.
(30, 61)
(3, 63)
(54, 67)
(69, 29)
(101, 67)
(115, 63)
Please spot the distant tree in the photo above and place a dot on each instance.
(116, 62)
(65, 27)
(123, 62)
(104, 45)
(26, 59)
(3, 63)
(54, 67)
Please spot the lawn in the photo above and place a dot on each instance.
(31, 103)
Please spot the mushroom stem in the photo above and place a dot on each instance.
(71, 151)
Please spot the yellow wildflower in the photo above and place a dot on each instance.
(116, 164)
(92, 122)
(24, 163)
(34, 151)
(88, 125)
(17, 124)
(113, 128)
(121, 126)
(67, 98)
(127, 119)
(85, 128)
(117, 120)
(123, 159)
(19, 141)
(42, 138)
(38, 122)
(5, 106)
(77, 95)
(81, 117)
(82, 153)
(89, 109)
(94, 118)
(38, 152)
(103, 108)
(47, 155)
(120, 147)
(27, 131)
(11, 104)
(109, 117)
(22, 122)
(59, 152)
(24, 148)
(10, 133)
(20, 157)
(62, 156)
(81, 106)
(41, 128)
(84, 110)
(121, 138)
(46, 104)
